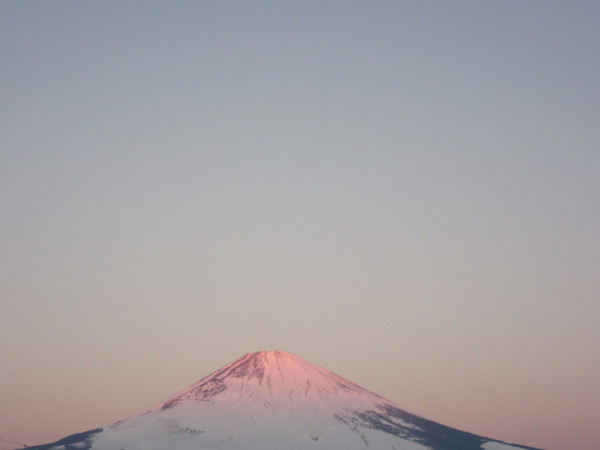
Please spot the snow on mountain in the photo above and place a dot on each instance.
(275, 400)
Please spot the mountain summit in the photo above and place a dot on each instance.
(277, 381)
(274, 401)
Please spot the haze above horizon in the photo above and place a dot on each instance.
(403, 192)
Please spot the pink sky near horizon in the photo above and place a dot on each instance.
(404, 193)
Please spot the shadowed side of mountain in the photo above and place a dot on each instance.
(430, 433)
(77, 441)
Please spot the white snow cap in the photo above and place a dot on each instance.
(278, 378)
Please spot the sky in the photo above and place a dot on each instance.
(402, 192)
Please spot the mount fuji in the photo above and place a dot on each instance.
(275, 401)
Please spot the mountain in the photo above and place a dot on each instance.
(276, 401)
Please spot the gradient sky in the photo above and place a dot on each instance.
(406, 193)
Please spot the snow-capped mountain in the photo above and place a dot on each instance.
(276, 401)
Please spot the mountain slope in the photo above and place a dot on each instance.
(276, 400)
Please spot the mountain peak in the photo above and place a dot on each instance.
(273, 400)
(270, 357)
(276, 377)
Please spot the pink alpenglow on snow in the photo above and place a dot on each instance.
(276, 400)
